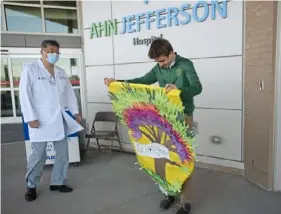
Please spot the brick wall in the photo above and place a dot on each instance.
(259, 69)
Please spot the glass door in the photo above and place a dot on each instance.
(6, 89)
(17, 63)
(72, 65)
(11, 68)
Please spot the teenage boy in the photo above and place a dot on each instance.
(172, 72)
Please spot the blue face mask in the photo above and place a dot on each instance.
(52, 58)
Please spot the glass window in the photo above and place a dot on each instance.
(78, 96)
(61, 3)
(5, 79)
(72, 69)
(6, 104)
(60, 21)
(1, 18)
(23, 19)
(17, 103)
(17, 65)
(23, 2)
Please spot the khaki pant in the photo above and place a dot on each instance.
(185, 193)
(189, 122)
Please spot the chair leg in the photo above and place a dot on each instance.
(119, 142)
(111, 145)
(98, 143)
(87, 146)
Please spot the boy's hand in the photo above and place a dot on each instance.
(170, 87)
(107, 81)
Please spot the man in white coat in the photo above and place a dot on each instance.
(45, 93)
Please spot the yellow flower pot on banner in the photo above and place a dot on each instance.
(157, 131)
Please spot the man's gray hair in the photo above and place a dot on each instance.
(46, 43)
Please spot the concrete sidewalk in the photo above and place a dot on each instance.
(114, 185)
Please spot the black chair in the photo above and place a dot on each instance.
(112, 135)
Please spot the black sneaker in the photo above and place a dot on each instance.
(30, 194)
(167, 202)
(184, 209)
(61, 188)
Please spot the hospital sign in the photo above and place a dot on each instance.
(161, 18)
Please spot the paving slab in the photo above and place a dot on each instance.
(106, 184)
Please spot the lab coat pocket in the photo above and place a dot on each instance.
(47, 114)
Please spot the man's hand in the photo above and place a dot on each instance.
(107, 81)
(34, 124)
(78, 118)
(170, 87)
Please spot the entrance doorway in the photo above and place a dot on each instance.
(12, 61)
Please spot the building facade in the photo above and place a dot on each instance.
(234, 46)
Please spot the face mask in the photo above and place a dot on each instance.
(52, 58)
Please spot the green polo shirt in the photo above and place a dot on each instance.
(180, 73)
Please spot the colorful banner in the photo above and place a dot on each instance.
(157, 131)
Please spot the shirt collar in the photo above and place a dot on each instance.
(43, 66)
(172, 64)
(41, 63)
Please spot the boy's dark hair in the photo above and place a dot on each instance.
(46, 43)
(160, 47)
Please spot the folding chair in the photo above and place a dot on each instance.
(111, 135)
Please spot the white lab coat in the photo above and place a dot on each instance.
(45, 99)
